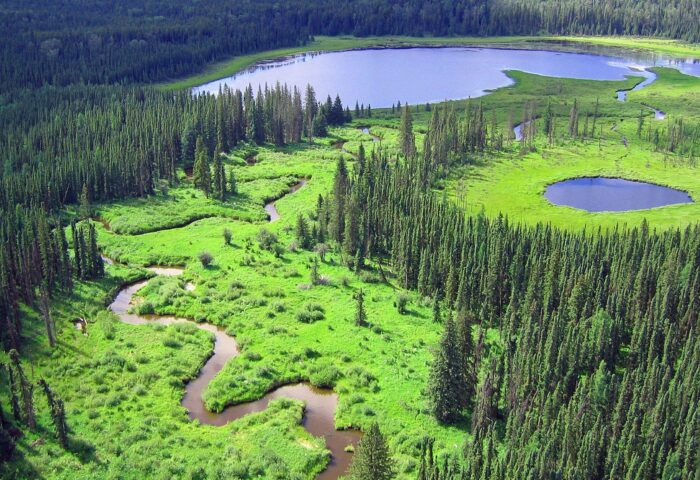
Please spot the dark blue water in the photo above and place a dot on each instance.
(597, 194)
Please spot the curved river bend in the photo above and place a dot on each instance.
(319, 404)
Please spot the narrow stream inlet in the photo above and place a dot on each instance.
(272, 213)
(320, 404)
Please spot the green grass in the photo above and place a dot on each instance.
(123, 384)
(673, 48)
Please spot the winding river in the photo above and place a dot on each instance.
(272, 213)
(319, 404)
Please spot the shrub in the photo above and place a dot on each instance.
(276, 292)
(369, 277)
(171, 342)
(253, 356)
(185, 328)
(324, 376)
(401, 303)
(227, 236)
(205, 258)
(279, 307)
(305, 316)
(314, 307)
(356, 398)
(266, 239)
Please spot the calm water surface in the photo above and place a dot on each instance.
(597, 194)
(381, 77)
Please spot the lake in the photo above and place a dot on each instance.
(598, 194)
(382, 77)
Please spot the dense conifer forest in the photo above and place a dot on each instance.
(464, 344)
(600, 358)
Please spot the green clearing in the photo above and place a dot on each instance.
(123, 384)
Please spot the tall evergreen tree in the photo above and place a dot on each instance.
(407, 138)
(446, 387)
(219, 180)
(340, 187)
(202, 172)
(360, 313)
(372, 460)
(26, 391)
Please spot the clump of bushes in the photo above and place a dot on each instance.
(324, 376)
(145, 308)
(252, 356)
(370, 277)
(171, 342)
(401, 303)
(274, 292)
(312, 312)
(205, 259)
(278, 307)
(266, 239)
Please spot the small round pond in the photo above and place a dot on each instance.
(599, 194)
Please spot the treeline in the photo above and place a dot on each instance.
(115, 142)
(452, 137)
(675, 136)
(82, 41)
(24, 415)
(35, 262)
(597, 368)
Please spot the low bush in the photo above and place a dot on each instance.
(205, 259)
(324, 376)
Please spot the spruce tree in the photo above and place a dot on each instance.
(573, 120)
(372, 460)
(437, 317)
(58, 414)
(465, 342)
(202, 173)
(85, 208)
(301, 232)
(219, 181)
(14, 393)
(446, 382)
(314, 276)
(26, 391)
(45, 307)
(360, 313)
(232, 187)
(340, 187)
(407, 139)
